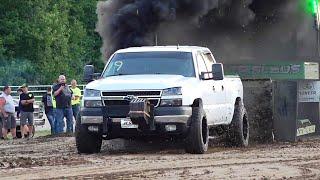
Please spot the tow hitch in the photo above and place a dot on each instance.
(142, 113)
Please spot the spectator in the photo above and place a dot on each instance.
(26, 111)
(75, 98)
(48, 107)
(7, 113)
(63, 95)
(19, 91)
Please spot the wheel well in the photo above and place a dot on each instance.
(238, 100)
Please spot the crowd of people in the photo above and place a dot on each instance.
(60, 101)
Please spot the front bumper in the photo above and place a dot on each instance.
(110, 127)
(180, 119)
(166, 115)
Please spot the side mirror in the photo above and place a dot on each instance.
(88, 75)
(217, 71)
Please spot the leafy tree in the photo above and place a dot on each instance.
(16, 72)
(2, 50)
(49, 38)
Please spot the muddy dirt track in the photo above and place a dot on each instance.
(56, 158)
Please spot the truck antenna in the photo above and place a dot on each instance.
(156, 39)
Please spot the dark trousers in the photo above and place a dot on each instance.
(50, 117)
(60, 114)
(75, 110)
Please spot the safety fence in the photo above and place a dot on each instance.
(37, 90)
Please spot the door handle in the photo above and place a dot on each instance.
(222, 87)
(213, 88)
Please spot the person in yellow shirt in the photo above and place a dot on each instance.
(76, 96)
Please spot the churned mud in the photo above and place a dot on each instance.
(56, 158)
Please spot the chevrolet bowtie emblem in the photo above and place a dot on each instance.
(129, 98)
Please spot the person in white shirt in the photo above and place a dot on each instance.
(7, 114)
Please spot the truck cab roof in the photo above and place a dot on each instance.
(164, 48)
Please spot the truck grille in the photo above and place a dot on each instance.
(133, 93)
(116, 98)
(155, 102)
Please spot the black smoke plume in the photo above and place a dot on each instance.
(235, 30)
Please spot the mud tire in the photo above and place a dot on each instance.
(198, 136)
(86, 142)
(238, 130)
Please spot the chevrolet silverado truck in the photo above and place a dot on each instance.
(169, 91)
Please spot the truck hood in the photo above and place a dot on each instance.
(140, 82)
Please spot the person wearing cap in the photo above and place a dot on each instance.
(63, 96)
(75, 98)
(7, 110)
(26, 111)
(48, 107)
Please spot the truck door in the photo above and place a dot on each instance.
(212, 96)
(219, 88)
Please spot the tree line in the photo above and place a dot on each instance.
(40, 39)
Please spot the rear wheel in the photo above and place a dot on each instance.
(238, 132)
(86, 142)
(198, 137)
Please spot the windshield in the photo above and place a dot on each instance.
(175, 63)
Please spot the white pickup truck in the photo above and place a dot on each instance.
(169, 91)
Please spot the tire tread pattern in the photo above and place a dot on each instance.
(194, 141)
(235, 131)
(86, 142)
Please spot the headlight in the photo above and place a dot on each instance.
(91, 93)
(172, 91)
(171, 102)
(93, 103)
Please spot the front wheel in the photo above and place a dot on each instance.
(86, 141)
(198, 137)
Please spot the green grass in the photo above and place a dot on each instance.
(42, 133)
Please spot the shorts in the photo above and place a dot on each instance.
(9, 122)
(26, 118)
